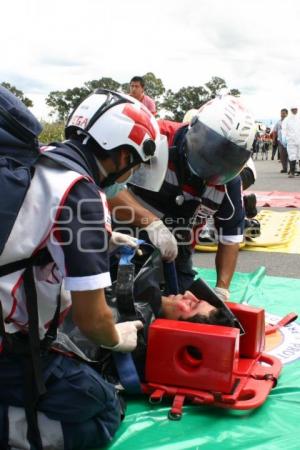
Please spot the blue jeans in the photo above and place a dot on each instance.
(77, 396)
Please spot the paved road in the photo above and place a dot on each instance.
(277, 264)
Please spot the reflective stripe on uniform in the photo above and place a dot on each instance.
(50, 431)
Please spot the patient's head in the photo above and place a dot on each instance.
(217, 317)
(189, 308)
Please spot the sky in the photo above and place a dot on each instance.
(254, 45)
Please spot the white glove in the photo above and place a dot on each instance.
(127, 332)
(222, 293)
(117, 239)
(163, 239)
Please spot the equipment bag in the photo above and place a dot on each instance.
(19, 152)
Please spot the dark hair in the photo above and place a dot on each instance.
(285, 110)
(215, 317)
(138, 80)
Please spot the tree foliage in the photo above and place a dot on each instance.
(235, 92)
(185, 99)
(192, 97)
(18, 93)
(153, 86)
(52, 132)
(63, 102)
(215, 85)
(175, 103)
(104, 83)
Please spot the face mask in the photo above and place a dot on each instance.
(114, 189)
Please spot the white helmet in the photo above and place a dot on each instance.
(116, 121)
(189, 115)
(219, 140)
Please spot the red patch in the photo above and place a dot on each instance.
(142, 126)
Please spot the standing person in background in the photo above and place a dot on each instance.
(275, 148)
(255, 145)
(136, 90)
(266, 143)
(291, 138)
(277, 137)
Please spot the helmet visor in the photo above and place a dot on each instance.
(213, 157)
(151, 174)
(202, 290)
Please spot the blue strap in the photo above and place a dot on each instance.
(127, 372)
(126, 369)
(127, 253)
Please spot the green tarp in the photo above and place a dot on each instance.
(275, 425)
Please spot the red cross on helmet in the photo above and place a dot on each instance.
(117, 121)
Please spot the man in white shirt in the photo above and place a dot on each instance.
(277, 138)
(291, 138)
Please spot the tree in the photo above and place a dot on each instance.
(18, 93)
(153, 86)
(215, 84)
(184, 100)
(105, 83)
(63, 102)
(169, 103)
(176, 103)
(125, 88)
(234, 92)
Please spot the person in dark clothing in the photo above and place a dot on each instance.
(202, 181)
(277, 140)
(65, 214)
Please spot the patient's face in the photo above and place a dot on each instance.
(184, 306)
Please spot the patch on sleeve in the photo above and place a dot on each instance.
(106, 212)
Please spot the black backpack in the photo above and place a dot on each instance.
(19, 151)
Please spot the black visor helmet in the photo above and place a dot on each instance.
(219, 140)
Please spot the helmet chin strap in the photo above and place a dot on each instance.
(101, 168)
(110, 178)
(99, 165)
